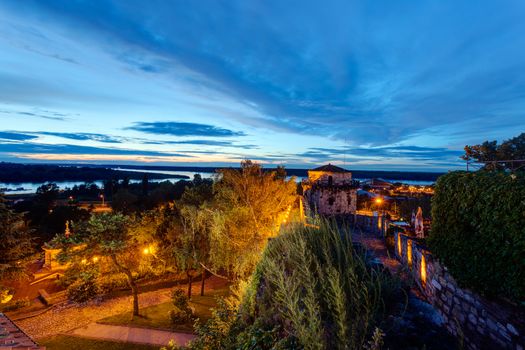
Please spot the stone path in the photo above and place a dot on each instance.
(67, 317)
(131, 334)
(377, 245)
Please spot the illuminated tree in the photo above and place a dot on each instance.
(191, 245)
(127, 244)
(247, 206)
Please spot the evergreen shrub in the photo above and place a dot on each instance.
(82, 290)
(478, 231)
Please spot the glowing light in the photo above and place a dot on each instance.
(409, 253)
(6, 298)
(84, 261)
(95, 258)
(423, 270)
(399, 244)
(146, 251)
(379, 200)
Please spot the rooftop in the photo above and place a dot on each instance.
(12, 337)
(329, 168)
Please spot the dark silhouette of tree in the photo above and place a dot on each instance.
(15, 242)
(497, 156)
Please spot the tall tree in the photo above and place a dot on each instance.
(126, 243)
(248, 204)
(16, 243)
(498, 156)
(191, 246)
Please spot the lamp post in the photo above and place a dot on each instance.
(379, 202)
(102, 197)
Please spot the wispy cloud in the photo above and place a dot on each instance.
(40, 148)
(183, 129)
(16, 136)
(83, 136)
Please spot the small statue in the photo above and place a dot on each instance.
(418, 224)
(67, 233)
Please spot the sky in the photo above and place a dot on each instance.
(384, 85)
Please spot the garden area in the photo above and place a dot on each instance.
(65, 342)
(159, 316)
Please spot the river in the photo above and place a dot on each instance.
(31, 187)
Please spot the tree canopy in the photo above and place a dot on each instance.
(128, 244)
(15, 242)
(247, 207)
(498, 156)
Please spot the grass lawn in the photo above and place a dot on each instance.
(157, 316)
(64, 342)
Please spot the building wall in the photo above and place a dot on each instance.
(333, 200)
(482, 323)
(323, 177)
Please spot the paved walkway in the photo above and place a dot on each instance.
(131, 334)
(377, 245)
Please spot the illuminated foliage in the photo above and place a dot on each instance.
(117, 242)
(311, 290)
(247, 205)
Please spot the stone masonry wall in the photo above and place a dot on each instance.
(481, 323)
(332, 200)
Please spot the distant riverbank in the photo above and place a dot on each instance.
(26, 178)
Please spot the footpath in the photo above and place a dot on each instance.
(131, 334)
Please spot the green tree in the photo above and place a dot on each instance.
(47, 194)
(124, 201)
(127, 243)
(247, 205)
(496, 156)
(191, 246)
(16, 243)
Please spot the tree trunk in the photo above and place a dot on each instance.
(190, 280)
(202, 282)
(135, 291)
(132, 284)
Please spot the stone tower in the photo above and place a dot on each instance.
(330, 190)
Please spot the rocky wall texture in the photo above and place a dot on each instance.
(481, 323)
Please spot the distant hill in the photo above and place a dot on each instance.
(14, 172)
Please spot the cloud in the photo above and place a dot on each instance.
(433, 155)
(183, 129)
(40, 148)
(16, 136)
(41, 114)
(392, 73)
(374, 84)
(83, 136)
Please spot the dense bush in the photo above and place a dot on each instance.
(183, 312)
(111, 282)
(82, 290)
(311, 290)
(14, 305)
(478, 231)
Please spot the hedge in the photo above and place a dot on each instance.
(478, 231)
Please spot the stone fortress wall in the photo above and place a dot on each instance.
(481, 323)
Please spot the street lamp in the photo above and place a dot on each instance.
(102, 197)
(379, 202)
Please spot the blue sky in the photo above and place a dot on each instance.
(369, 84)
